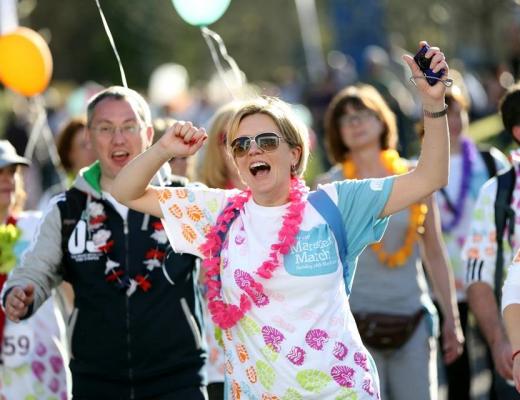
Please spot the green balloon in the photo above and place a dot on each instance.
(201, 12)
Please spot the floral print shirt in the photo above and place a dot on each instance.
(455, 238)
(299, 340)
(479, 251)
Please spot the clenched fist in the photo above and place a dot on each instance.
(18, 301)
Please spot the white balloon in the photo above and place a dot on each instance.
(167, 82)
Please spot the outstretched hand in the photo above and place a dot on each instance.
(18, 301)
(431, 95)
(183, 139)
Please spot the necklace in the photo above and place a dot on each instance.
(114, 272)
(226, 315)
(457, 209)
(395, 165)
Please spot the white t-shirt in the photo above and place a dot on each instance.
(299, 340)
(120, 208)
(480, 249)
(511, 289)
(455, 238)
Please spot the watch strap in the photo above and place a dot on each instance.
(436, 114)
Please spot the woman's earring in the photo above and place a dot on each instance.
(293, 168)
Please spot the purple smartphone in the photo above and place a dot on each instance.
(424, 65)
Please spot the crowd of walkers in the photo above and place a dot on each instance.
(247, 282)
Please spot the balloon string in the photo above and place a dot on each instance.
(34, 135)
(210, 35)
(41, 127)
(111, 39)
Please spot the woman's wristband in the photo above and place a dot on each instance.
(436, 114)
(515, 354)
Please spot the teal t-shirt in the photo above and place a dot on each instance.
(361, 203)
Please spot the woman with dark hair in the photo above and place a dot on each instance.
(73, 147)
(361, 136)
(75, 153)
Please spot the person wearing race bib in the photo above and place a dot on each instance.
(274, 276)
(32, 363)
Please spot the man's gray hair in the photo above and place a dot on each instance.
(137, 102)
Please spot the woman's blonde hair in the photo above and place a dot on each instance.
(291, 128)
(20, 195)
(213, 170)
(358, 97)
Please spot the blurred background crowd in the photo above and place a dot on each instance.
(302, 51)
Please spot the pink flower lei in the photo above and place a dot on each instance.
(114, 272)
(227, 315)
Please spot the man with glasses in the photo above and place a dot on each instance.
(135, 332)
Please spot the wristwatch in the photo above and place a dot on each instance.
(436, 114)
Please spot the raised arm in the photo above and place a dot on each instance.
(132, 185)
(431, 172)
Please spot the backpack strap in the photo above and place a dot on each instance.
(489, 160)
(321, 201)
(504, 215)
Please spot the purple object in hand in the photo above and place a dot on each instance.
(424, 65)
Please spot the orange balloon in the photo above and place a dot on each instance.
(25, 62)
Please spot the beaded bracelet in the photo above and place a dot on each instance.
(515, 354)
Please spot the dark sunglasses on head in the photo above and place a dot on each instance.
(264, 141)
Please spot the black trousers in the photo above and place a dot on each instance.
(458, 373)
(216, 391)
(191, 393)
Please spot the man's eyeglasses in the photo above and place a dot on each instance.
(356, 118)
(264, 141)
(129, 129)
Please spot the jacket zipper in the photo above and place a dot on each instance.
(70, 330)
(128, 337)
(192, 324)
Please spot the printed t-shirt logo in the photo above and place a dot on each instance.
(80, 247)
(313, 254)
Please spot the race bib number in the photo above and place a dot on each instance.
(18, 344)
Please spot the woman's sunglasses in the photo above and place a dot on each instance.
(264, 141)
